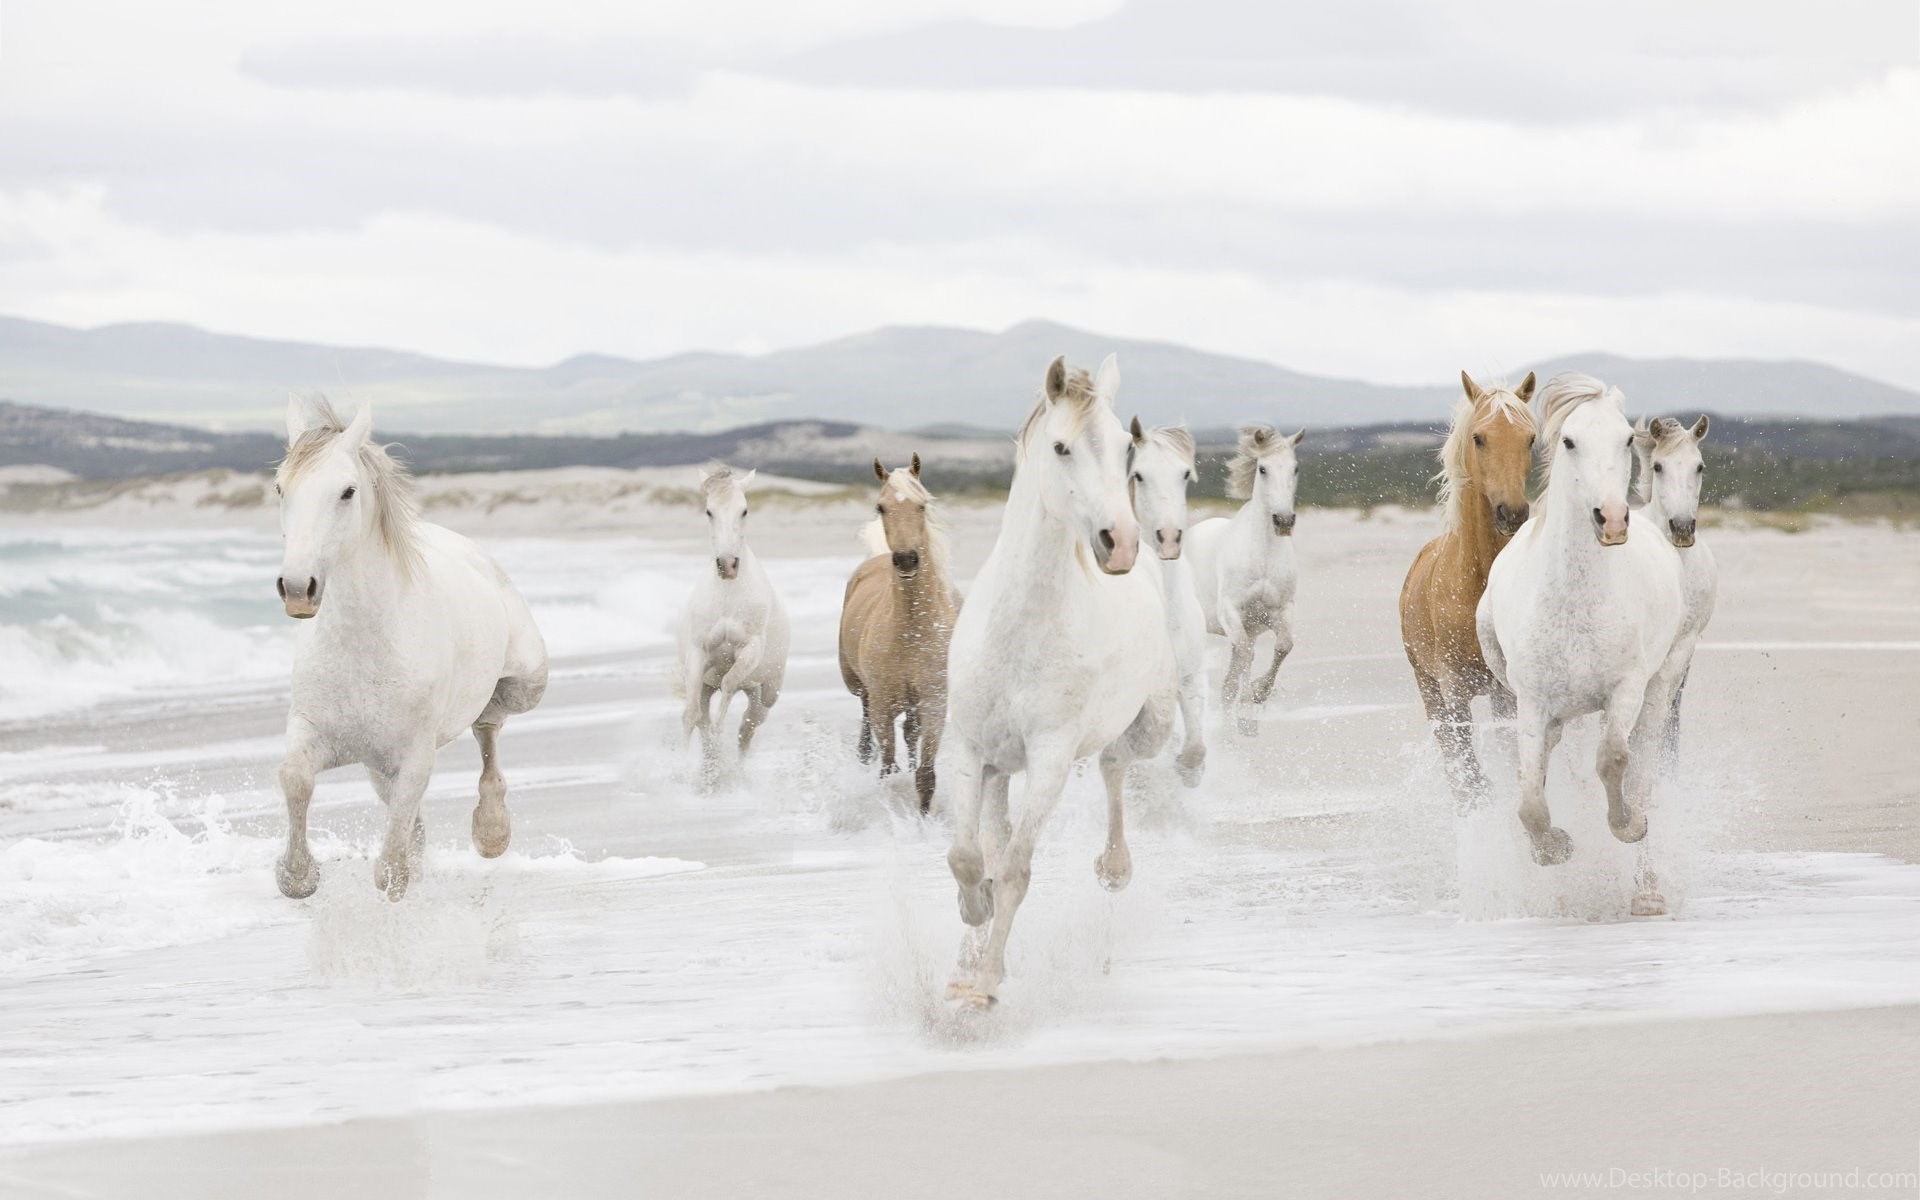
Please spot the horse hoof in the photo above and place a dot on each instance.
(391, 878)
(966, 994)
(491, 834)
(1114, 872)
(1192, 769)
(1649, 904)
(297, 885)
(1552, 847)
(976, 904)
(1633, 830)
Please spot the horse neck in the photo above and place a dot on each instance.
(1475, 530)
(1037, 552)
(364, 587)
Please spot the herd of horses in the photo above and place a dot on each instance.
(1070, 644)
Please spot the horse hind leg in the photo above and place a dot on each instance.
(864, 751)
(492, 825)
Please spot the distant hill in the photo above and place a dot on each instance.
(1802, 463)
(893, 378)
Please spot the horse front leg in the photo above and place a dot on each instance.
(930, 723)
(297, 874)
(1626, 812)
(753, 718)
(400, 849)
(1239, 660)
(1282, 646)
(1047, 772)
(746, 661)
(1539, 734)
(1114, 867)
(965, 857)
(1450, 711)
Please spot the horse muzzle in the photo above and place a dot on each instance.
(301, 599)
(906, 564)
(1283, 524)
(1507, 520)
(727, 566)
(1168, 543)
(1610, 524)
(1116, 555)
(1682, 532)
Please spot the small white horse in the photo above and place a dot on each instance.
(1577, 618)
(733, 630)
(1243, 565)
(1161, 461)
(1060, 652)
(1671, 472)
(411, 635)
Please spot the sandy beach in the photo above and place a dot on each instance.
(1322, 982)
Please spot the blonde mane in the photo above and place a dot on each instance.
(1175, 439)
(396, 518)
(873, 535)
(1256, 442)
(1501, 403)
(1558, 400)
(1078, 394)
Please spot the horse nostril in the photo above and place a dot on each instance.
(313, 587)
(1598, 518)
(1179, 534)
(1106, 538)
(280, 585)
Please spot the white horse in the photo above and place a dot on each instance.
(1161, 461)
(1061, 652)
(1243, 565)
(1668, 488)
(733, 630)
(412, 634)
(1577, 618)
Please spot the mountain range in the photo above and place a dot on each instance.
(892, 378)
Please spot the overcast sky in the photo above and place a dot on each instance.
(1380, 189)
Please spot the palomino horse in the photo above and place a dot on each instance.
(733, 630)
(895, 624)
(1243, 565)
(1484, 465)
(412, 634)
(1668, 488)
(1161, 463)
(1061, 652)
(1577, 617)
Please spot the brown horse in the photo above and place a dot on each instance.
(1484, 463)
(894, 627)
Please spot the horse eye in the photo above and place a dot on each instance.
(1139, 478)
(1263, 470)
(277, 491)
(1186, 476)
(1060, 448)
(743, 514)
(1567, 442)
(709, 512)
(1480, 441)
(347, 495)
(1701, 469)
(1658, 469)
(881, 509)
(1531, 441)
(1629, 441)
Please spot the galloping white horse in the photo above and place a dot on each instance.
(1161, 461)
(733, 630)
(1668, 487)
(412, 634)
(1243, 566)
(1577, 617)
(1060, 652)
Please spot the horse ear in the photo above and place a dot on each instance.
(1473, 389)
(1139, 434)
(1525, 390)
(1296, 438)
(746, 481)
(879, 472)
(297, 421)
(360, 429)
(1700, 428)
(1056, 378)
(1106, 383)
(915, 467)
